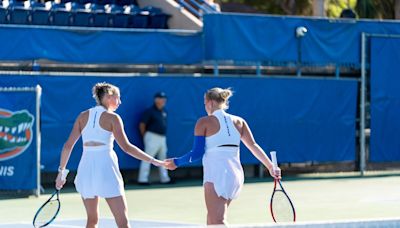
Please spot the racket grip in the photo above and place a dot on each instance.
(273, 159)
(64, 174)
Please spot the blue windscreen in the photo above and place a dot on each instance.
(225, 37)
(73, 45)
(302, 119)
(385, 100)
(266, 38)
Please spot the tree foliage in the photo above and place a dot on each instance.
(281, 7)
(373, 9)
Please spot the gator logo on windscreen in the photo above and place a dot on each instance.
(15, 133)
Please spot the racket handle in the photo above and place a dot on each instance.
(64, 174)
(273, 158)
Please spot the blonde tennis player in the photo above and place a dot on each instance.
(217, 139)
(98, 172)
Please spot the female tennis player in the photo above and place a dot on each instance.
(98, 172)
(217, 137)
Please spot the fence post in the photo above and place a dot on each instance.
(362, 105)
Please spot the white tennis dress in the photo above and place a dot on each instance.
(221, 161)
(98, 171)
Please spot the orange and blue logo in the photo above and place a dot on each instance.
(15, 133)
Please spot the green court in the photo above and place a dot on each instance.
(317, 197)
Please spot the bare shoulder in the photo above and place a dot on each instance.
(239, 123)
(84, 114)
(83, 117)
(204, 120)
(237, 120)
(112, 116)
(202, 125)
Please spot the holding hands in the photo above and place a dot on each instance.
(170, 164)
(157, 162)
(167, 163)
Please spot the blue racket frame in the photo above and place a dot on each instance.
(55, 193)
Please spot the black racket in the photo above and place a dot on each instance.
(282, 209)
(49, 210)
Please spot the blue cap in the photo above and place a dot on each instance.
(160, 95)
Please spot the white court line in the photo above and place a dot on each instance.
(104, 222)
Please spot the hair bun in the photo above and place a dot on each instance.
(226, 93)
(221, 96)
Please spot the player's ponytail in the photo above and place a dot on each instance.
(221, 96)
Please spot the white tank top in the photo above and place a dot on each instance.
(227, 134)
(93, 132)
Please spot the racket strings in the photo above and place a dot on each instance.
(47, 213)
(282, 208)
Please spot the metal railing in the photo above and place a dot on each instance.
(197, 7)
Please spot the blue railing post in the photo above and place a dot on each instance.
(258, 69)
(337, 71)
(216, 70)
(189, 8)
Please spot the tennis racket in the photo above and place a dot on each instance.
(49, 210)
(282, 209)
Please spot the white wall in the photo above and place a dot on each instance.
(180, 18)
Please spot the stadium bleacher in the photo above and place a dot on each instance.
(84, 13)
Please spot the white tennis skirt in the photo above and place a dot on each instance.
(98, 173)
(222, 167)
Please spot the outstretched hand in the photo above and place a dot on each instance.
(170, 164)
(157, 162)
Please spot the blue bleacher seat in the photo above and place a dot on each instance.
(116, 8)
(96, 7)
(119, 20)
(16, 3)
(104, 2)
(82, 18)
(55, 6)
(158, 19)
(59, 15)
(80, 15)
(101, 13)
(152, 9)
(77, 6)
(39, 14)
(83, 2)
(100, 16)
(125, 2)
(35, 4)
(18, 14)
(139, 18)
(101, 19)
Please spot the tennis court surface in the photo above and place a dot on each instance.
(321, 200)
(147, 224)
